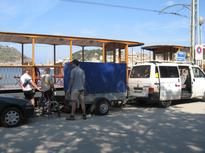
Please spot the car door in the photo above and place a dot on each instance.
(170, 83)
(198, 82)
(140, 81)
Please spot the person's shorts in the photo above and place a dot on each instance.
(77, 95)
(29, 94)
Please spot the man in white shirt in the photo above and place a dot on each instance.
(27, 86)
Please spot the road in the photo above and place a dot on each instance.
(144, 129)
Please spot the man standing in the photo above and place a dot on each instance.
(76, 88)
(47, 84)
(26, 85)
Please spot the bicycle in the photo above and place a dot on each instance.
(49, 107)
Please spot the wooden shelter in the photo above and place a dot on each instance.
(167, 51)
(70, 41)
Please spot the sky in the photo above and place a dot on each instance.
(66, 17)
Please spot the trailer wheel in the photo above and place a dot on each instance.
(165, 104)
(102, 107)
(203, 98)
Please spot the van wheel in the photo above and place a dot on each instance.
(102, 107)
(165, 104)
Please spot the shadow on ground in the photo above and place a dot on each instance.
(127, 130)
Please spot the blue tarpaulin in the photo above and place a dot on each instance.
(100, 77)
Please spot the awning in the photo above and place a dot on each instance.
(26, 38)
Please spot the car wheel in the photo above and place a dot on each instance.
(11, 117)
(102, 107)
(165, 104)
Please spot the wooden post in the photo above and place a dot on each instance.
(71, 50)
(33, 60)
(164, 56)
(54, 54)
(170, 56)
(103, 53)
(126, 60)
(114, 55)
(83, 54)
(22, 54)
(54, 61)
(119, 55)
(154, 55)
(126, 54)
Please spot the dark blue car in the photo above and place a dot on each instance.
(14, 110)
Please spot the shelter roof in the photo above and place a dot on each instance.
(166, 48)
(26, 38)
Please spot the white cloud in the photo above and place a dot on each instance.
(26, 12)
(7, 9)
(170, 2)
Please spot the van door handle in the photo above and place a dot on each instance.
(194, 80)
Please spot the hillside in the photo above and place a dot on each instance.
(89, 55)
(10, 55)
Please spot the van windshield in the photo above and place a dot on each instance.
(140, 72)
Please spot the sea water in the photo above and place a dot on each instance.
(8, 77)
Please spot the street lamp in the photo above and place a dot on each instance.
(201, 21)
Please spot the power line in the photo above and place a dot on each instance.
(126, 7)
(183, 6)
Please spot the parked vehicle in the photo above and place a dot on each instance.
(14, 110)
(105, 85)
(164, 82)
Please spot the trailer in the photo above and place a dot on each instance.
(105, 85)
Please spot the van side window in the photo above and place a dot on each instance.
(140, 72)
(197, 72)
(168, 72)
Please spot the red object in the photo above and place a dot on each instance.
(151, 90)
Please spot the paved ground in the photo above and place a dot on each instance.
(147, 129)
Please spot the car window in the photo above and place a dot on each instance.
(197, 72)
(168, 72)
(140, 72)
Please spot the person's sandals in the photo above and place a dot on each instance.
(71, 117)
(84, 116)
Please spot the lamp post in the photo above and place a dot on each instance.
(201, 22)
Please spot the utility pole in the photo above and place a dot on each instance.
(193, 30)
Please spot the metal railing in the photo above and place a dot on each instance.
(10, 76)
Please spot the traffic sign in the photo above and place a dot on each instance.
(199, 52)
(181, 56)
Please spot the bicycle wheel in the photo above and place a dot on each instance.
(55, 107)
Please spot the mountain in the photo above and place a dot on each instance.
(89, 55)
(10, 55)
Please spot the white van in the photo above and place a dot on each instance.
(164, 82)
